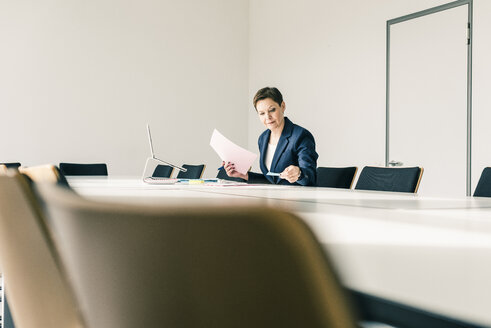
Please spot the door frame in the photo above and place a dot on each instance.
(415, 15)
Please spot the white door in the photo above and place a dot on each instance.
(428, 99)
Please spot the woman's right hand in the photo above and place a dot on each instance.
(231, 172)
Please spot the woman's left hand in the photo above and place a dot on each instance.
(291, 173)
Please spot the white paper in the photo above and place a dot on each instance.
(230, 152)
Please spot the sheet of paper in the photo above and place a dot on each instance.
(230, 152)
(156, 180)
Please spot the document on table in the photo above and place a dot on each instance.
(206, 182)
(159, 181)
(230, 152)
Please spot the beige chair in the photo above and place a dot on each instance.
(44, 173)
(38, 293)
(3, 169)
(149, 266)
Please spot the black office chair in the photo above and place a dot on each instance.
(83, 169)
(400, 179)
(14, 165)
(483, 188)
(193, 171)
(163, 171)
(199, 266)
(223, 175)
(336, 177)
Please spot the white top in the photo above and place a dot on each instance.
(268, 159)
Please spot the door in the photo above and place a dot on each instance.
(427, 113)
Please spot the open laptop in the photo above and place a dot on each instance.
(157, 180)
(150, 141)
(151, 179)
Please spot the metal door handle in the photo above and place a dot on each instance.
(395, 163)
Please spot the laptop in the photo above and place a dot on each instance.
(150, 179)
(150, 141)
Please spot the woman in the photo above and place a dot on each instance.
(285, 148)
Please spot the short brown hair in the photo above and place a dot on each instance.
(268, 92)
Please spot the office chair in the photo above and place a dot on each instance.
(163, 171)
(193, 171)
(83, 169)
(150, 266)
(3, 169)
(222, 174)
(11, 165)
(45, 173)
(336, 177)
(400, 179)
(38, 292)
(483, 188)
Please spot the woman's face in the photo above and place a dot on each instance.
(271, 113)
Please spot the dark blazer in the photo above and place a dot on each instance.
(295, 147)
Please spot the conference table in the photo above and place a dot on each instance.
(417, 261)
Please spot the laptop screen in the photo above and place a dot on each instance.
(150, 140)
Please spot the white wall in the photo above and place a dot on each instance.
(328, 59)
(79, 80)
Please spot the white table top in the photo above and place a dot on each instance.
(430, 253)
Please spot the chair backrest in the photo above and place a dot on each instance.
(11, 165)
(400, 179)
(83, 169)
(163, 171)
(3, 169)
(193, 171)
(39, 295)
(222, 174)
(194, 266)
(45, 173)
(483, 188)
(336, 177)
